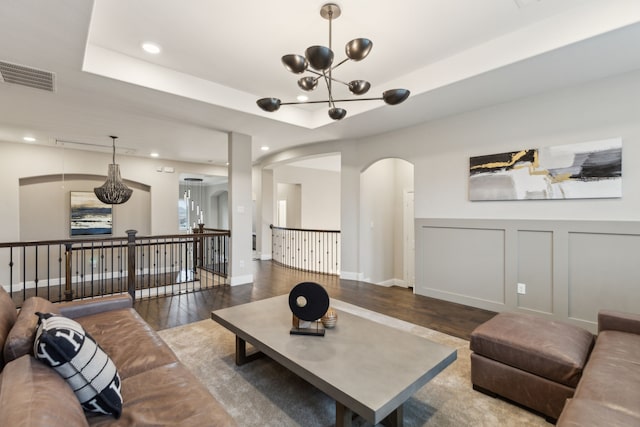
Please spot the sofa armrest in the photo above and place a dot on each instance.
(76, 309)
(609, 320)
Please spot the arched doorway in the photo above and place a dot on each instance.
(386, 223)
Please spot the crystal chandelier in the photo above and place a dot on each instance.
(113, 191)
(320, 61)
(192, 203)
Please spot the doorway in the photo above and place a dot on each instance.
(386, 254)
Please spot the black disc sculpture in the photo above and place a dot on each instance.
(308, 301)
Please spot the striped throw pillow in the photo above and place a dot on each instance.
(63, 344)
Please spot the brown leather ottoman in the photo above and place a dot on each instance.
(530, 360)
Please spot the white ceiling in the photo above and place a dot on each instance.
(219, 57)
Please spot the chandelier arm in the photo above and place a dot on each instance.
(340, 81)
(339, 63)
(332, 78)
(334, 100)
(327, 80)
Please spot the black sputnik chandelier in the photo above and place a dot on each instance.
(318, 60)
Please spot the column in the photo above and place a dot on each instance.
(240, 209)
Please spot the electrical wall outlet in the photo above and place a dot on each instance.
(522, 288)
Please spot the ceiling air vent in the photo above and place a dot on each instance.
(26, 76)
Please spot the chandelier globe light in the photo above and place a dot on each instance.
(319, 61)
(113, 191)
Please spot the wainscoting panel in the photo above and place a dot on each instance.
(469, 262)
(571, 269)
(535, 270)
(604, 271)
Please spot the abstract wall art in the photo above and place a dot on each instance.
(575, 171)
(89, 216)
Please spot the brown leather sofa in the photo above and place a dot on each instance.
(157, 390)
(557, 370)
(608, 393)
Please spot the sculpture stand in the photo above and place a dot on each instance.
(302, 327)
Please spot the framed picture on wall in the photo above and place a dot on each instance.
(586, 170)
(89, 216)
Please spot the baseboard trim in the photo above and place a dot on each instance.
(240, 280)
(350, 275)
(393, 282)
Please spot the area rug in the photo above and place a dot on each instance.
(263, 393)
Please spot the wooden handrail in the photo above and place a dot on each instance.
(273, 227)
(78, 258)
(106, 239)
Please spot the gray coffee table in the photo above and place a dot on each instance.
(368, 368)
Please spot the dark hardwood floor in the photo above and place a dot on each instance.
(271, 280)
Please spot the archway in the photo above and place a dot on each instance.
(386, 223)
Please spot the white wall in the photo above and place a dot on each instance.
(404, 182)
(45, 211)
(240, 209)
(440, 151)
(24, 160)
(377, 195)
(289, 199)
(592, 112)
(217, 206)
(320, 197)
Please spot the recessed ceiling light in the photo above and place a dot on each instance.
(151, 48)
(302, 98)
(264, 148)
(29, 139)
(155, 155)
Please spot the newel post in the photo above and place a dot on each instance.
(68, 291)
(131, 263)
(201, 246)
